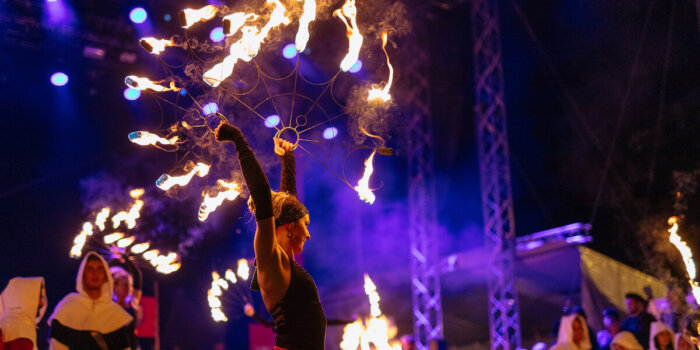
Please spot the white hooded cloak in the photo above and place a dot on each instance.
(627, 340)
(19, 308)
(565, 339)
(80, 312)
(656, 328)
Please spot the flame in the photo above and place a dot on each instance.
(101, 218)
(214, 302)
(247, 47)
(79, 241)
(352, 337)
(165, 181)
(125, 242)
(376, 93)
(140, 248)
(113, 237)
(230, 276)
(243, 270)
(227, 191)
(155, 46)
(377, 330)
(234, 22)
(168, 268)
(371, 291)
(134, 212)
(306, 18)
(362, 188)
(218, 315)
(151, 254)
(348, 14)
(165, 264)
(145, 138)
(686, 253)
(188, 17)
(140, 83)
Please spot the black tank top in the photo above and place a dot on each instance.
(300, 323)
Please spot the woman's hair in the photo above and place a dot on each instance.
(286, 207)
(118, 273)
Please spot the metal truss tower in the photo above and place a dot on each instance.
(425, 271)
(494, 167)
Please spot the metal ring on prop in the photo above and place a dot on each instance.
(296, 133)
(221, 117)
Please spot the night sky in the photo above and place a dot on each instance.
(602, 101)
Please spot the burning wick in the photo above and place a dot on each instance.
(140, 83)
(348, 14)
(188, 17)
(145, 138)
(234, 22)
(247, 47)
(226, 191)
(155, 46)
(166, 182)
(687, 255)
(375, 93)
(362, 188)
(306, 18)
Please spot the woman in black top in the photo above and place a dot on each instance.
(289, 293)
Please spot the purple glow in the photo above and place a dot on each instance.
(57, 12)
(330, 133)
(356, 67)
(138, 15)
(210, 108)
(59, 79)
(272, 121)
(289, 51)
(132, 94)
(217, 34)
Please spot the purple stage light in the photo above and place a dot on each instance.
(289, 51)
(132, 94)
(210, 108)
(59, 79)
(138, 15)
(330, 133)
(272, 121)
(356, 67)
(217, 34)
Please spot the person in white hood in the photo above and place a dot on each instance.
(683, 342)
(22, 305)
(89, 319)
(573, 334)
(661, 337)
(625, 340)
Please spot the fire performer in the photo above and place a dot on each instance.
(288, 291)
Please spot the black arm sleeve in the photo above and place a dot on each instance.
(262, 320)
(255, 178)
(288, 181)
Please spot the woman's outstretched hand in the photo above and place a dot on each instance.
(282, 146)
(226, 132)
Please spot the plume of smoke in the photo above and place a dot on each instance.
(376, 118)
(394, 19)
(686, 185)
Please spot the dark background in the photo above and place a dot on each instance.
(592, 88)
